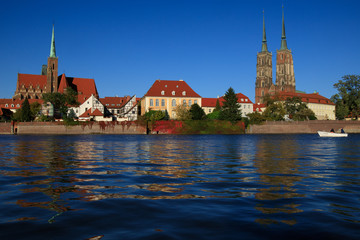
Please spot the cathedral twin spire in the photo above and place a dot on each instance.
(283, 36)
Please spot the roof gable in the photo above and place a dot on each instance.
(171, 88)
(32, 80)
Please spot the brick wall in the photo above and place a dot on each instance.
(5, 128)
(304, 127)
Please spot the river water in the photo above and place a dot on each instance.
(179, 187)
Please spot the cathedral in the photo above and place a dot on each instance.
(285, 78)
(33, 86)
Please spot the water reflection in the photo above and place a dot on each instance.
(276, 173)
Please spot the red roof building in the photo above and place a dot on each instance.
(165, 95)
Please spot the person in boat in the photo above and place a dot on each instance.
(332, 130)
(342, 130)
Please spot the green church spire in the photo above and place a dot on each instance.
(264, 44)
(283, 37)
(52, 48)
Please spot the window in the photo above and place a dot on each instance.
(17, 105)
(12, 105)
(6, 105)
(87, 102)
(163, 92)
(184, 102)
(184, 93)
(209, 110)
(173, 103)
(118, 111)
(195, 101)
(151, 102)
(262, 84)
(165, 85)
(242, 99)
(162, 102)
(246, 100)
(190, 103)
(157, 102)
(85, 109)
(173, 93)
(111, 104)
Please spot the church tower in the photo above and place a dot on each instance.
(263, 70)
(285, 78)
(52, 68)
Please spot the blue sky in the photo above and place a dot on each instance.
(126, 45)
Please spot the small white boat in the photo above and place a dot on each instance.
(331, 134)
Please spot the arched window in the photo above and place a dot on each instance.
(184, 93)
(262, 84)
(173, 103)
(173, 93)
(163, 92)
(262, 93)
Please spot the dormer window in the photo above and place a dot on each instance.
(12, 105)
(165, 85)
(177, 86)
(17, 105)
(246, 100)
(163, 92)
(173, 93)
(6, 105)
(184, 93)
(242, 99)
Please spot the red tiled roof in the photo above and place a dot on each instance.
(63, 83)
(257, 107)
(10, 101)
(306, 97)
(31, 79)
(109, 101)
(170, 86)
(211, 102)
(89, 113)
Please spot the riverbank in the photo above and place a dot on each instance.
(174, 127)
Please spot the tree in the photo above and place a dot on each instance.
(274, 112)
(298, 110)
(217, 107)
(25, 111)
(230, 110)
(197, 113)
(182, 112)
(35, 109)
(347, 99)
(62, 101)
(256, 118)
(215, 115)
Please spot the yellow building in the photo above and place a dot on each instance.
(167, 94)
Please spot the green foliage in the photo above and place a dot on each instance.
(215, 115)
(71, 114)
(217, 107)
(230, 110)
(182, 112)
(25, 111)
(211, 127)
(153, 115)
(62, 101)
(274, 112)
(297, 110)
(35, 109)
(256, 118)
(197, 113)
(347, 99)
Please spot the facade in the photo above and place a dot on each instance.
(285, 77)
(165, 95)
(123, 108)
(245, 105)
(89, 106)
(323, 107)
(33, 86)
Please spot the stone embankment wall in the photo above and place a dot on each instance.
(5, 128)
(304, 127)
(83, 128)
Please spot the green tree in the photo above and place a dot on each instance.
(274, 112)
(215, 115)
(197, 113)
(298, 110)
(256, 118)
(35, 109)
(182, 112)
(230, 110)
(217, 107)
(61, 101)
(348, 97)
(25, 111)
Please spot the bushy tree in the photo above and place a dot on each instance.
(217, 107)
(256, 118)
(230, 110)
(215, 115)
(182, 112)
(298, 110)
(274, 112)
(35, 109)
(197, 113)
(347, 99)
(61, 101)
